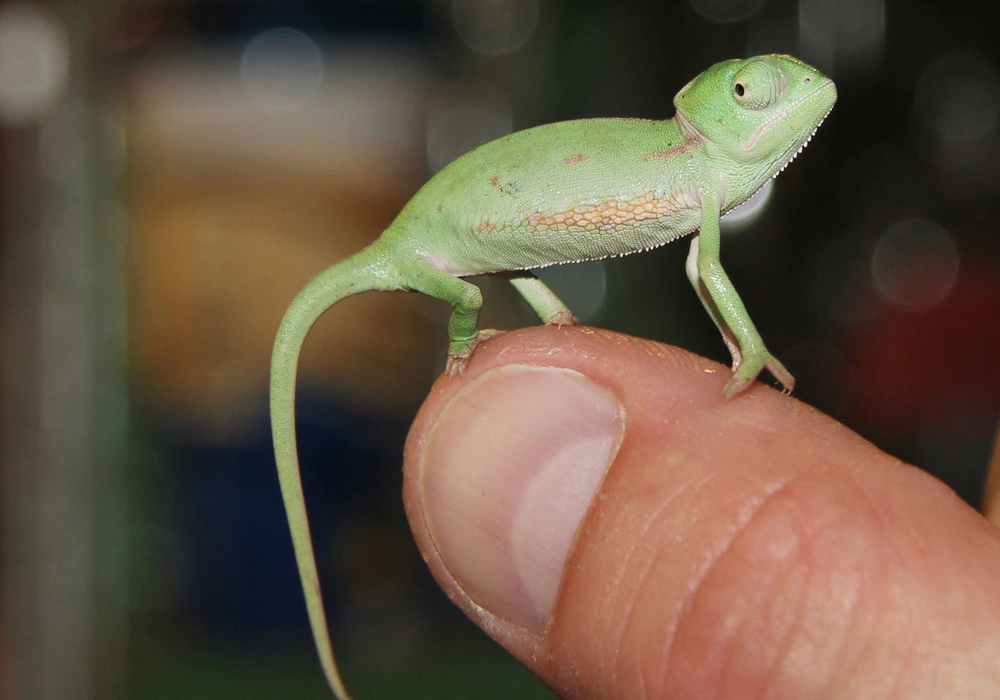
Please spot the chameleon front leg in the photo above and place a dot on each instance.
(541, 299)
(724, 305)
(691, 266)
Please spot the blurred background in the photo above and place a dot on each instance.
(171, 173)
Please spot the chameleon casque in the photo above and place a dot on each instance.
(559, 193)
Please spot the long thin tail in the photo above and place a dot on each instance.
(370, 269)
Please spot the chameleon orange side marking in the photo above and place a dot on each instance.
(612, 214)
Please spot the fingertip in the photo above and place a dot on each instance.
(687, 477)
(504, 478)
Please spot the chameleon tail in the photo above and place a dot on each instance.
(369, 269)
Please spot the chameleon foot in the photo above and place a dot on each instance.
(564, 318)
(458, 361)
(745, 374)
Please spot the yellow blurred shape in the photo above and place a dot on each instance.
(234, 211)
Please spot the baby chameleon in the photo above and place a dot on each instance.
(566, 192)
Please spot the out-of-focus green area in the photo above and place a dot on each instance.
(480, 676)
(171, 173)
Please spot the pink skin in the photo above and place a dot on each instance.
(751, 548)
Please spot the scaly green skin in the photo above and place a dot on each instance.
(561, 193)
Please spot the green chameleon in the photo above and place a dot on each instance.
(577, 190)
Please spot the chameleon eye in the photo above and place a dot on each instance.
(758, 85)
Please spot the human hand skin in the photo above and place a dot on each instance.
(591, 501)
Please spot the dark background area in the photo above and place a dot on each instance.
(172, 173)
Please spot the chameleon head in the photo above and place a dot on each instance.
(760, 110)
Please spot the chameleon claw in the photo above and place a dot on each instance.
(456, 364)
(745, 374)
(783, 376)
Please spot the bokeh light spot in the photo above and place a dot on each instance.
(957, 98)
(282, 69)
(495, 27)
(842, 32)
(848, 25)
(746, 213)
(915, 264)
(456, 129)
(726, 10)
(34, 62)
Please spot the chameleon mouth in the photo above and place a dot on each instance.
(805, 143)
(815, 94)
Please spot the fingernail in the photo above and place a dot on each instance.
(507, 475)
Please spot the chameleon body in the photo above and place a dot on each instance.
(566, 192)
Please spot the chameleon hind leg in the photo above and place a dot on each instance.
(541, 299)
(466, 300)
